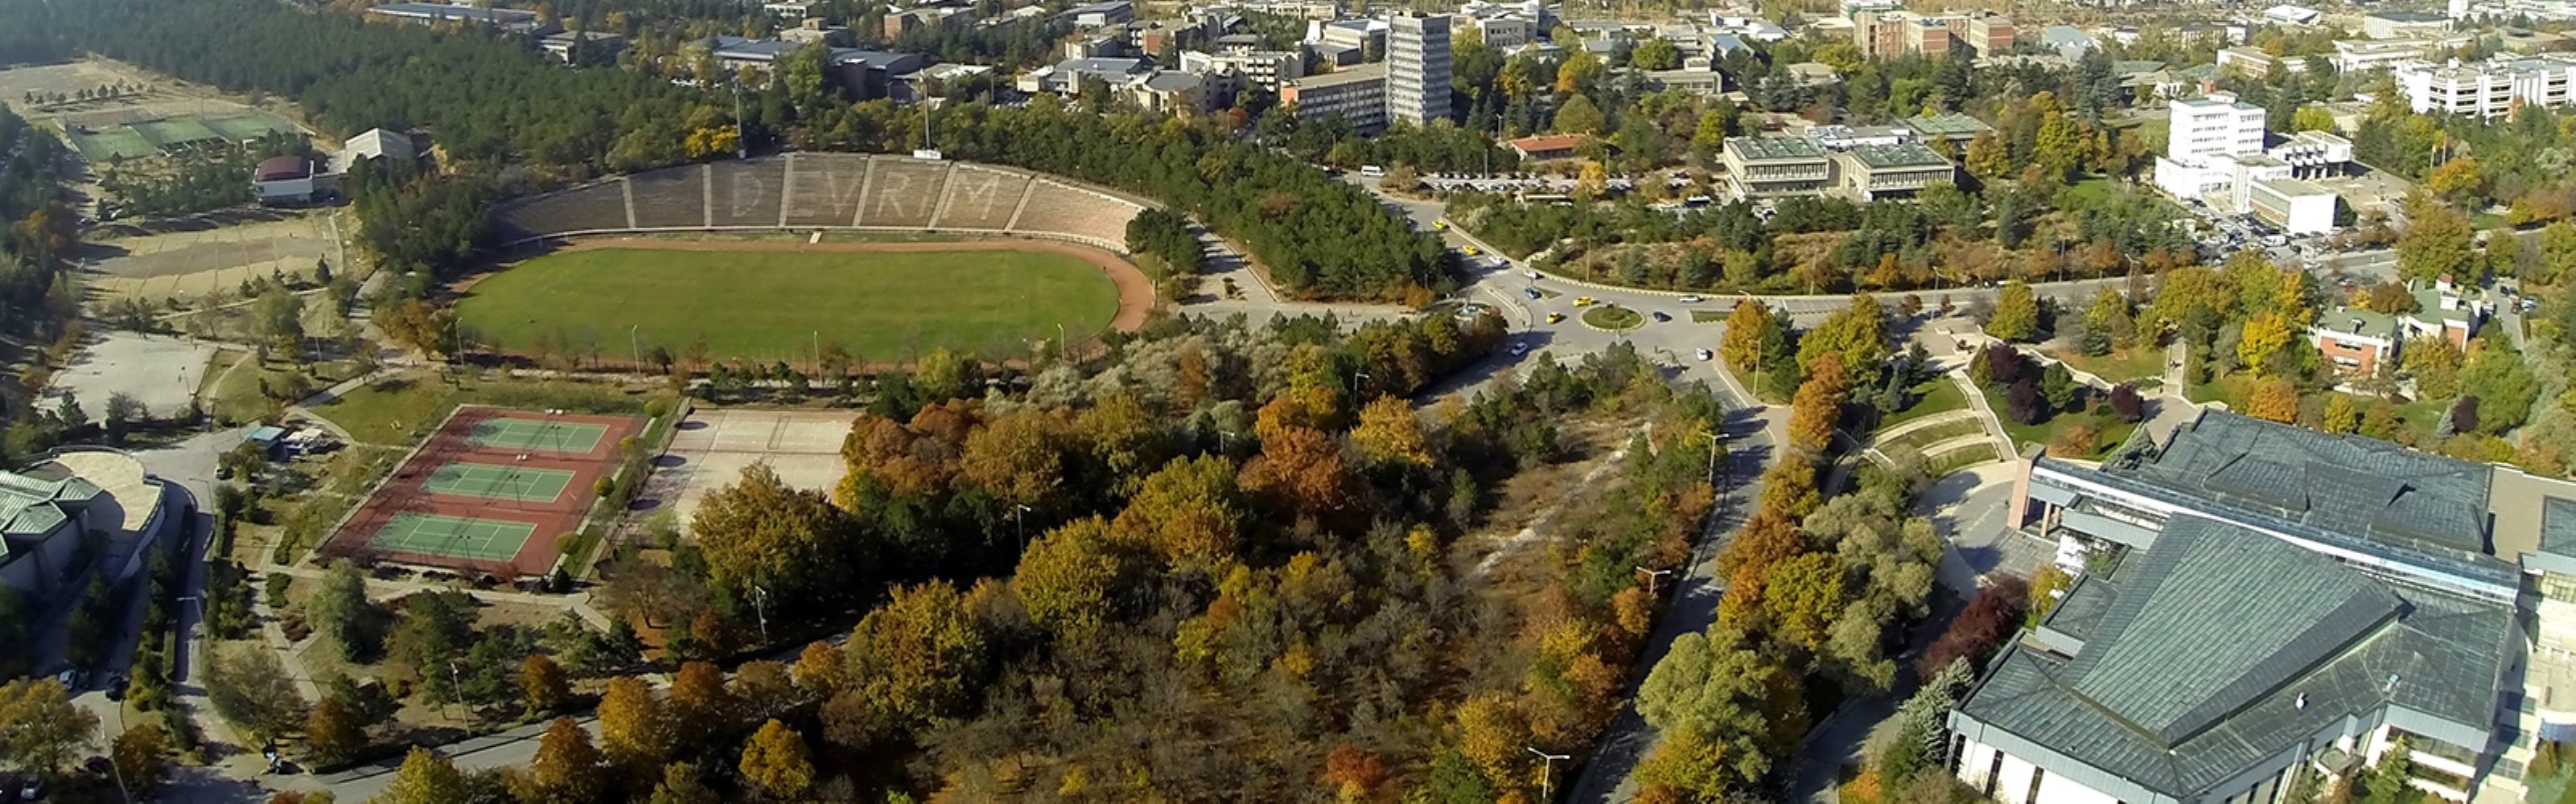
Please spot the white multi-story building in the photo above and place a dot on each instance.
(1357, 95)
(1260, 68)
(2355, 55)
(2487, 89)
(2213, 125)
(1417, 75)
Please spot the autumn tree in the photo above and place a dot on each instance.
(2016, 316)
(424, 778)
(339, 611)
(2265, 335)
(1745, 329)
(1789, 488)
(335, 732)
(2436, 241)
(913, 658)
(2341, 415)
(1800, 597)
(821, 671)
(2273, 400)
(1390, 432)
(775, 761)
(634, 732)
(566, 768)
(1857, 334)
(140, 754)
(681, 785)
(249, 686)
(40, 728)
(542, 684)
(1064, 579)
(1713, 689)
(1019, 458)
(701, 710)
(2109, 318)
(761, 532)
(1300, 470)
(1817, 408)
(1493, 733)
(763, 690)
(1189, 511)
(2435, 365)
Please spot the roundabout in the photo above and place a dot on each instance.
(1613, 318)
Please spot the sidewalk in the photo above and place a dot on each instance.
(1985, 413)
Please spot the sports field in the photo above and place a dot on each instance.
(498, 482)
(532, 434)
(451, 536)
(773, 304)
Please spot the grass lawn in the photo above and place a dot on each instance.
(1923, 438)
(769, 306)
(1961, 458)
(2118, 366)
(1936, 395)
(2108, 430)
(1613, 317)
(398, 411)
(2226, 389)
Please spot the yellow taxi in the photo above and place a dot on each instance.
(1554, 318)
(1471, 251)
(1582, 301)
(1441, 224)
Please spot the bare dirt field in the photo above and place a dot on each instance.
(193, 262)
(713, 446)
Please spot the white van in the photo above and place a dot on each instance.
(1372, 171)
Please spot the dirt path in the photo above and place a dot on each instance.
(1135, 291)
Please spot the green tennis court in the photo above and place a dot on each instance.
(451, 536)
(246, 127)
(498, 482)
(176, 131)
(530, 434)
(111, 144)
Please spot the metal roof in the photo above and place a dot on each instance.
(1765, 149)
(1900, 155)
(2221, 649)
(2412, 500)
(1947, 125)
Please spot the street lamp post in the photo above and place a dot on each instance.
(1547, 773)
(1356, 377)
(1716, 445)
(1019, 526)
(760, 608)
(1651, 575)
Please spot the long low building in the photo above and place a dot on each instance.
(1759, 167)
(1900, 170)
(2489, 88)
(2257, 604)
(1355, 94)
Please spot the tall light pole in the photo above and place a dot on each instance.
(1716, 445)
(1547, 773)
(634, 348)
(1651, 575)
(760, 609)
(1356, 377)
(1020, 527)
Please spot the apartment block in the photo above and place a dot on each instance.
(1356, 94)
(1417, 59)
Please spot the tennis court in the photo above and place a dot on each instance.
(112, 144)
(176, 131)
(531, 434)
(451, 536)
(246, 127)
(524, 484)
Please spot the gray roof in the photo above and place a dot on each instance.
(2558, 526)
(33, 506)
(1756, 149)
(2339, 483)
(444, 11)
(2408, 16)
(1946, 125)
(1172, 81)
(1900, 155)
(2220, 648)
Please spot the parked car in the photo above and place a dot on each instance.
(1704, 355)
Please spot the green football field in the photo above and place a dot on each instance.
(498, 482)
(452, 536)
(775, 306)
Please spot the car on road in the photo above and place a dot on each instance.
(1704, 355)
(1471, 251)
(1372, 171)
(1662, 317)
(1553, 318)
(70, 678)
(1530, 292)
(33, 789)
(1519, 349)
(1582, 301)
(1442, 224)
(1691, 300)
(1530, 275)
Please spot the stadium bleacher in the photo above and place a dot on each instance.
(823, 188)
(670, 198)
(1059, 208)
(828, 191)
(749, 193)
(981, 198)
(904, 192)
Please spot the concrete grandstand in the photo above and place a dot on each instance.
(813, 191)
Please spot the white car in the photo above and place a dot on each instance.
(1519, 349)
(1704, 355)
(1692, 300)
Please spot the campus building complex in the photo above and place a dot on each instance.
(2488, 88)
(2215, 154)
(2256, 604)
(1355, 94)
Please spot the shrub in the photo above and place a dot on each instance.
(2127, 404)
(1994, 614)
(2023, 403)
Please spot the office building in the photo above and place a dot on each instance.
(2489, 88)
(1892, 34)
(1893, 171)
(1763, 167)
(1417, 75)
(1356, 94)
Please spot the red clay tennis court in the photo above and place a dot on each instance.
(472, 497)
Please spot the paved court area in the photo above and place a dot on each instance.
(157, 370)
(713, 446)
(208, 256)
(452, 536)
(498, 482)
(537, 434)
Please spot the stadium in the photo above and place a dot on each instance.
(662, 260)
(828, 191)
